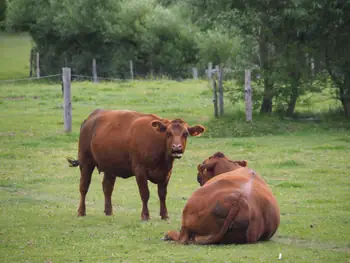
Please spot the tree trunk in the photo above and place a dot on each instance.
(266, 105)
(294, 95)
(345, 95)
(342, 85)
(346, 107)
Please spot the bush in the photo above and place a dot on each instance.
(71, 34)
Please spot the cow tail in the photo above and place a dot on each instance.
(233, 212)
(72, 162)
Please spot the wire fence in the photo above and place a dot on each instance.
(78, 77)
(59, 78)
(30, 78)
(130, 72)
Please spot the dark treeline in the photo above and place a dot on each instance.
(295, 47)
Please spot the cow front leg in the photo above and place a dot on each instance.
(108, 186)
(144, 193)
(162, 192)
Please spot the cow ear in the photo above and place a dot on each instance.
(196, 130)
(158, 126)
(243, 163)
(208, 166)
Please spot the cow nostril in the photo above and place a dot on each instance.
(176, 146)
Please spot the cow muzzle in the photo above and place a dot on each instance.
(176, 151)
(199, 180)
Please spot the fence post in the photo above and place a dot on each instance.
(220, 73)
(94, 71)
(131, 70)
(248, 95)
(67, 103)
(215, 99)
(210, 68)
(195, 73)
(37, 65)
(312, 67)
(31, 62)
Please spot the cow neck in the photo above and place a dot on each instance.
(169, 160)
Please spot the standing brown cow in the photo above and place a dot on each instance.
(234, 205)
(124, 143)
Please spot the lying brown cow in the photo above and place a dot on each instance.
(124, 143)
(234, 205)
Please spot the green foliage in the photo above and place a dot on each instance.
(218, 47)
(284, 36)
(72, 33)
(280, 40)
(2, 13)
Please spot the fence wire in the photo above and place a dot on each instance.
(74, 77)
(32, 78)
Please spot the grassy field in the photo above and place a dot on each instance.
(15, 51)
(306, 164)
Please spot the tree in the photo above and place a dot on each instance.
(2, 12)
(114, 32)
(332, 33)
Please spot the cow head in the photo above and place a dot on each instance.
(176, 133)
(215, 165)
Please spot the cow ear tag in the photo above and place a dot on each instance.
(158, 126)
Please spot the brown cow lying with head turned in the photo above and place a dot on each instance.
(124, 143)
(234, 205)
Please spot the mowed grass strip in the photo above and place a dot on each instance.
(306, 165)
(15, 55)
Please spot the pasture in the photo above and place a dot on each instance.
(306, 165)
(15, 51)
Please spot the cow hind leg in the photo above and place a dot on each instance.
(86, 170)
(108, 186)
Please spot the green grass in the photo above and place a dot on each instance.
(306, 164)
(15, 51)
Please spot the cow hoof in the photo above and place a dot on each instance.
(144, 218)
(167, 238)
(165, 218)
(81, 214)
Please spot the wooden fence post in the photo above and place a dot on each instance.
(248, 95)
(131, 70)
(312, 67)
(37, 65)
(195, 73)
(94, 71)
(67, 103)
(31, 62)
(215, 99)
(220, 73)
(210, 68)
